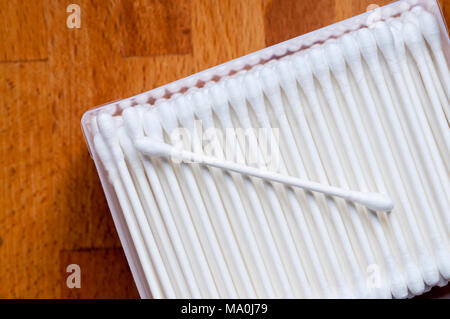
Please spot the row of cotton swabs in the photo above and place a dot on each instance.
(366, 112)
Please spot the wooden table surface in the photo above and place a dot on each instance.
(53, 211)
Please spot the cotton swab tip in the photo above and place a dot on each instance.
(153, 148)
(374, 201)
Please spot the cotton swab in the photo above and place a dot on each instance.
(152, 128)
(168, 120)
(221, 108)
(369, 52)
(108, 132)
(287, 81)
(256, 99)
(273, 93)
(186, 116)
(133, 125)
(416, 46)
(386, 44)
(374, 201)
(304, 76)
(338, 67)
(203, 110)
(149, 205)
(430, 29)
(271, 86)
(144, 258)
(420, 114)
(415, 281)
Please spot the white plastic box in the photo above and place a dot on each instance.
(214, 74)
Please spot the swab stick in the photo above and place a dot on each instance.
(108, 132)
(415, 281)
(337, 64)
(149, 271)
(133, 124)
(152, 128)
(203, 110)
(168, 120)
(420, 114)
(375, 201)
(289, 84)
(416, 46)
(304, 76)
(255, 97)
(152, 213)
(431, 31)
(221, 108)
(386, 44)
(186, 116)
(369, 51)
(273, 92)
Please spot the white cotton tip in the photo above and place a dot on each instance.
(184, 110)
(430, 29)
(303, 72)
(410, 17)
(153, 148)
(254, 92)
(350, 49)
(414, 277)
(271, 87)
(285, 74)
(385, 41)
(142, 98)
(132, 121)
(398, 286)
(430, 272)
(269, 79)
(444, 262)
(396, 30)
(335, 59)
(167, 116)
(367, 45)
(374, 201)
(413, 39)
(106, 125)
(152, 125)
(202, 105)
(319, 63)
(129, 150)
(219, 100)
(102, 151)
(234, 88)
(417, 10)
(125, 104)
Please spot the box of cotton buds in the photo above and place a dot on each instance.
(315, 168)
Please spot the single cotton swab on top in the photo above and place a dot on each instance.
(374, 201)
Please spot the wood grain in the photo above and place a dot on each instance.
(53, 211)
